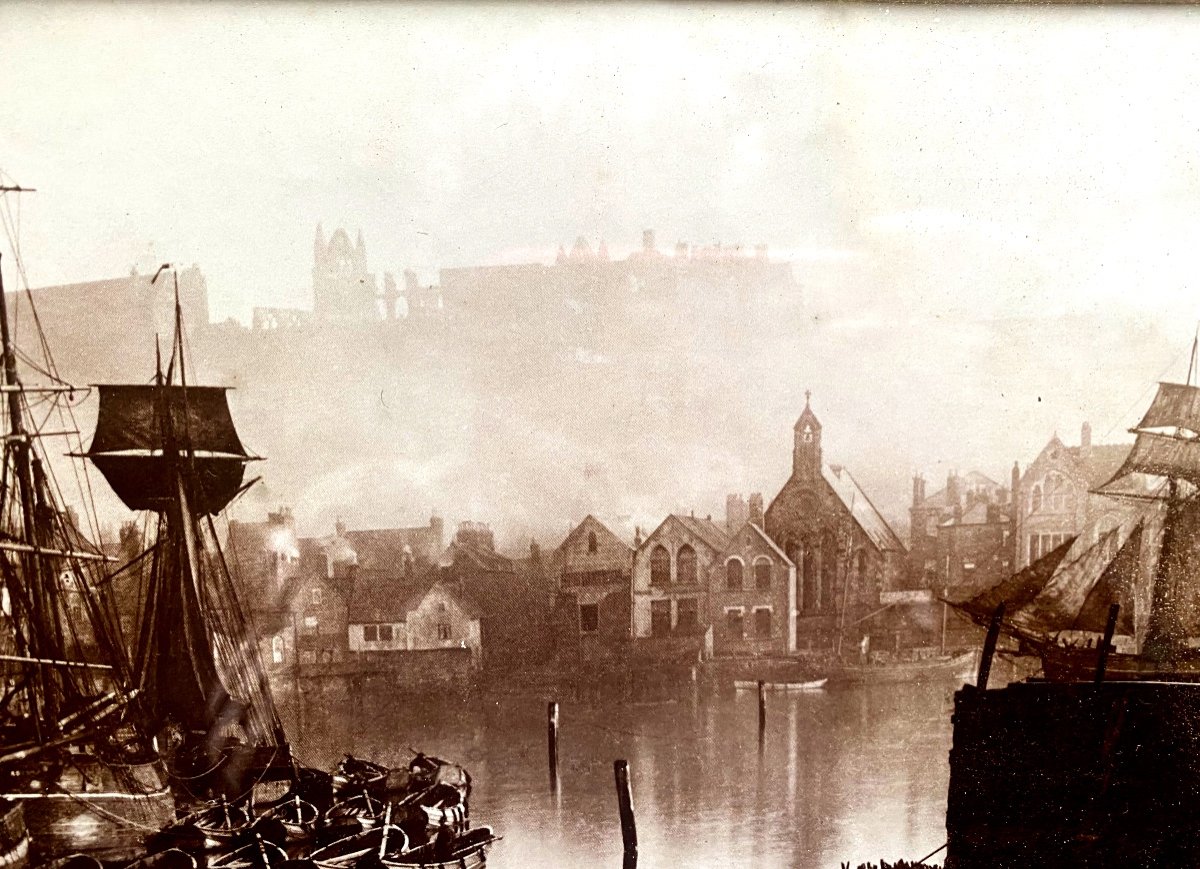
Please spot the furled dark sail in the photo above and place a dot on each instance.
(1057, 606)
(1019, 589)
(141, 428)
(1116, 585)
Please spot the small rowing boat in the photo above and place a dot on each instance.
(813, 685)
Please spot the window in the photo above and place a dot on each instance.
(277, 649)
(308, 657)
(1035, 499)
(733, 624)
(828, 571)
(660, 566)
(589, 617)
(762, 574)
(592, 544)
(762, 622)
(660, 618)
(310, 623)
(443, 631)
(1059, 494)
(687, 616)
(808, 580)
(385, 633)
(314, 596)
(370, 633)
(733, 574)
(686, 563)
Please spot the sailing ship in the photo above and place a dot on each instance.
(1097, 763)
(79, 770)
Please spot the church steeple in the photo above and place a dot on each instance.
(806, 454)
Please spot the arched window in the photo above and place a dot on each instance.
(808, 579)
(277, 649)
(762, 573)
(1058, 494)
(828, 570)
(592, 544)
(733, 574)
(1035, 499)
(660, 566)
(685, 565)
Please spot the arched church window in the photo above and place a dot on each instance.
(685, 565)
(828, 570)
(1035, 499)
(660, 566)
(733, 574)
(808, 579)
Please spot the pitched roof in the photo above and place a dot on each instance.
(770, 543)
(590, 522)
(477, 557)
(381, 548)
(861, 508)
(707, 530)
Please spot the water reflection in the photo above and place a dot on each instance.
(850, 774)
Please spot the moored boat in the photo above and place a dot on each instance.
(752, 685)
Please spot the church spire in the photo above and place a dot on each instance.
(806, 453)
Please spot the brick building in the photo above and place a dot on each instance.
(844, 551)
(752, 602)
(591, 571)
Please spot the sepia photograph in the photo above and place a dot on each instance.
(565, 434)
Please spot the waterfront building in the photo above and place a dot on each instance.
(591, 572)
(752, 596)
(844, 551)
(1055, 496)
(672, 568)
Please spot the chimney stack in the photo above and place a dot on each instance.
(1085, 440)
(952, 489)
(648, 240)
(756, 509)
(736, 514)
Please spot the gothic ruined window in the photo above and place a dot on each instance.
(685, 564)
(733, 574)
(762, 573)
(660, 566)
(762, 622)
(734, 628)
(593, 545)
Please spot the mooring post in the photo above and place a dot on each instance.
(552, 741)
(762, 712)
(1110, 628)
(625, 806)
(989, 647)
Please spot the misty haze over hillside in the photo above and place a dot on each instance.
(991, 216)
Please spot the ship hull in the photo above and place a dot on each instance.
(1079, 665)
(1075, 774)
(934, 670)
(96, 813)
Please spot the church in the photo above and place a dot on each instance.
(844, 551)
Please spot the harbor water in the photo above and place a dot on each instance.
(847, 774)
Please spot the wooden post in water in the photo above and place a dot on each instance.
(1110, 628)
(989, 648)
(552, 741)
(762, 712)
(625, 806)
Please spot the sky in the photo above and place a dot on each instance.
(945, 166)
